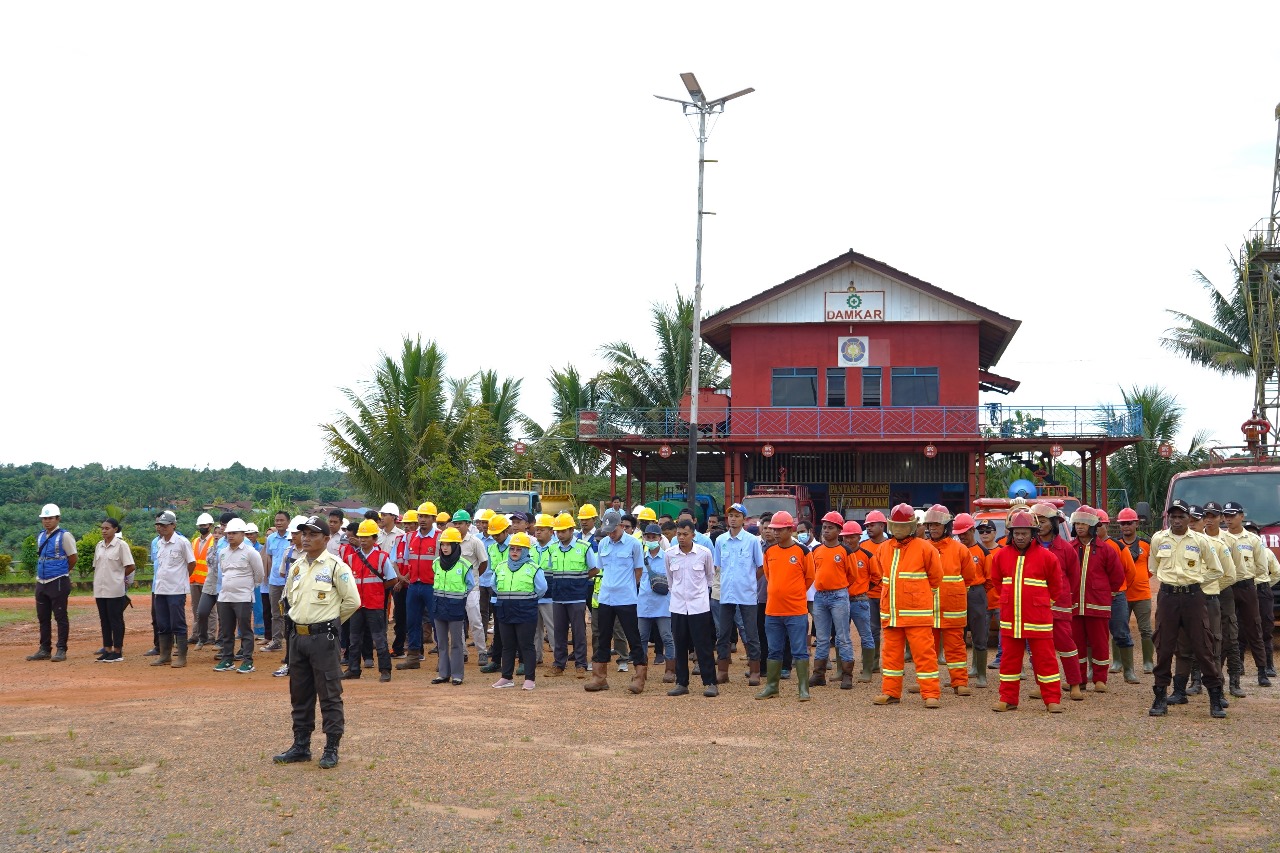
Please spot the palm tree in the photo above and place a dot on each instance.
(1140, 469)
(557, 446)
(1242, 337)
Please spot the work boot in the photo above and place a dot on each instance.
(637, 679)
(1035, 692)
(773, 671)
(678, 690)
(179, 656)
(669, 672)
(819, 677)
(1271, 669)
(1179, 696)
(962, 690)
(980, 667)
(60, 654)
(166, 651)
(1148, 655)
(300, 751)
(846, 675)
(599, 678)
(932, 704)
(1099, 687)
(1001, 707)
(1077, 693)
(875, 659)
(330, 757)
(1197, 685)
(1126, 664)
(1235, 687)
(412, 662)
(1053, 707)
(868, 665)
(1215, 703)
(42, 653)
(711, 691)
(1263, 681)
(753, 673)
(802, 677)
(722, 671)
(1115, 658)
(1160, 706)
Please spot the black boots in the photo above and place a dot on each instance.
(1235, 687)
(330, 757)
(300, 751)
(1160, 706)
(1215, 703)
(1180, 691)
(1197, 685)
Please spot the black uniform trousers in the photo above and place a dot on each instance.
(695, 631)
(315, 675)
(1178, 611)
(1246, 593)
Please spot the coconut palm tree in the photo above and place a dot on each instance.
(558, 445)
(1139, 469)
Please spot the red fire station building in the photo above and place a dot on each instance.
(862, 383)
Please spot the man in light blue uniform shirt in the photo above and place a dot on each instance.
(739, 558)
(621, 560)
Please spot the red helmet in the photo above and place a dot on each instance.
(902, 514)
(1126, 514)
(833, 518)
(1022, 519)
(1102, 516)
(937, 514)
(963, 522)
(851, 528)
(1044, 509)
(782, 520)
(874, 516)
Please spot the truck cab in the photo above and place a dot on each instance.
(780, 497)
(529, 496)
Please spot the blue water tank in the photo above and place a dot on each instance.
(1022, 489)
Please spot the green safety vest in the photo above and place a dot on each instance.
(515, 585)
(452, 583)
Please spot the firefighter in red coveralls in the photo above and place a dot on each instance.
(1030, 580)
(1101, 577)
(951, 598)
(1046, 516)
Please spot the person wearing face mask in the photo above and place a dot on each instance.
(519, 583)
(653, 606)
(453, 583)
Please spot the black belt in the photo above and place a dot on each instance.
(318, 628)
(1181, 590)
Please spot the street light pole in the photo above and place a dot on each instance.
(700, 105)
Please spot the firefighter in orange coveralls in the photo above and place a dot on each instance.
(912, 571)
(1030, 580)
(1101, 576)
(1046, 516)
(951, 598)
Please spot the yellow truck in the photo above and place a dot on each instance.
(529, 495)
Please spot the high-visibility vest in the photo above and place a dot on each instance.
(451, 591)
(567, 574)
(517, 592)
(371, 587)
(419, 557)
(201, 548)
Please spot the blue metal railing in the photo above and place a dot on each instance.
(991, 421)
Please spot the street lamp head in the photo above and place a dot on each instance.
(721, 101)
(695, 90)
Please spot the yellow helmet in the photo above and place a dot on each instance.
(443, 517)
(588, 511)
(544, 520)
(451, 535)
(410, 516)
(498, 523)
(367, 527)
(428, 508)
(646, 514)
(563, 521)
(484, 515)
(521, 540)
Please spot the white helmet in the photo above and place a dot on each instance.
(204, 519)
(295, 523)
(235, 525)
(50, 511)
(251, 528)
(390, 509)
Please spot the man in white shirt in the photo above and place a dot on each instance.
(241, 570)
(175, 560)
(690, 571)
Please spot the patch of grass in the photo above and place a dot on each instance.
(10, 617)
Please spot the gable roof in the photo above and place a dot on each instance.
(994, 330)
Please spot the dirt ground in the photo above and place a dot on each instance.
(133, 758)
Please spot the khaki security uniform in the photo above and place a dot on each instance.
(1221, 605)
(1246, 549)
(1183, 564)
(322, 595)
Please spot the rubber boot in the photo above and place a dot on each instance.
(330, 756)
(669, 672)
(599, 679)
(1179, 696)
(1235, 687)
(638, 676)
(179, 656)
(753, 673)
(1126, 663)
(1115, 658)
(1215, 703)
(166, 651)
(875, 660)
(1148, 655)
(868, 665)
(1160, 706)
(802, 678)
(773, 671)
(980, 667)
(1197, 685)
(722, 671)
(819, 677)
(846, 675)
(300, 751)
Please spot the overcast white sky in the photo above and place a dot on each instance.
(198, 201)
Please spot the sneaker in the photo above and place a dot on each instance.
(456, 682)
(490, 631)
(528, 685)
(114, 657)
(247, 666)
(224, 666)
(622, 667)
(384, 676)
(367, 663)
(101, 651)
(502, 682)
(102, 657)
(151, 652)
(273, 646)
(396, 654)
(282, 671)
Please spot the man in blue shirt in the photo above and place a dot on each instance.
(621, 560)
(739, 560)
(278, 544)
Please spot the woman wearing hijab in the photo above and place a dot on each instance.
(518, 584)
(453, 582)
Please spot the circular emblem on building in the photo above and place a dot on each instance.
(853, 350)
(853, 301)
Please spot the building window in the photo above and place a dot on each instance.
(914, 386)
(835, 387)
(795, 386)
(871, 386)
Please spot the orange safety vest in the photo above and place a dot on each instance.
(201, 571)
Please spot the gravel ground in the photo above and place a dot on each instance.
(126, 757)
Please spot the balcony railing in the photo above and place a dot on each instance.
(991, 421)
